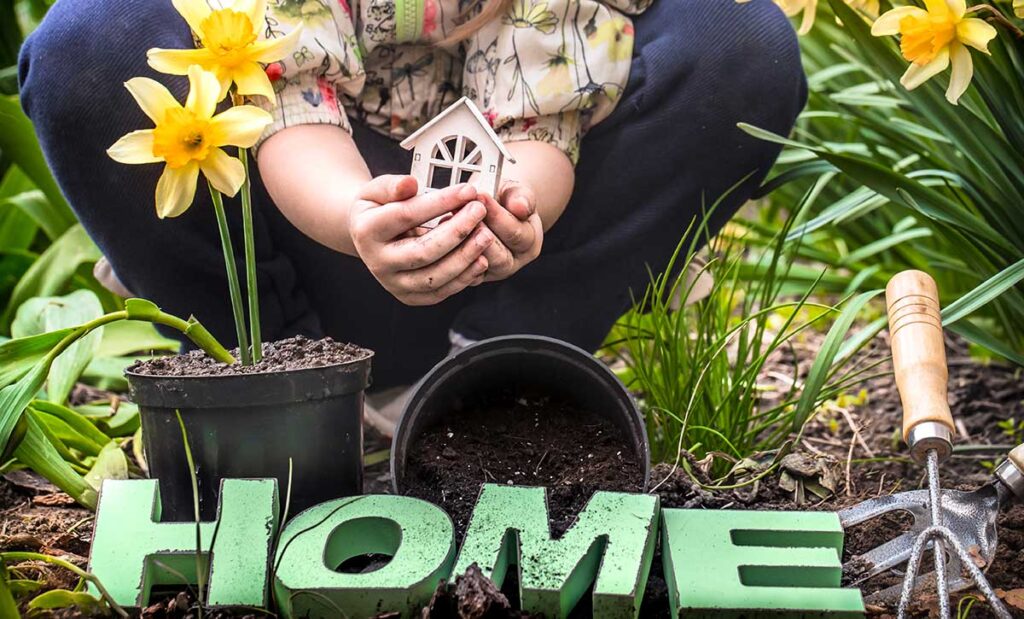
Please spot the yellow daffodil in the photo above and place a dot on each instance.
(189, 139)
(1018, 8)
(794, 7)
(230, 46)
(934, 39)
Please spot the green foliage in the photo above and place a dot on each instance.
(697, 367)
(902, 179)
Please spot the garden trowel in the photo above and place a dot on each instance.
(963, 524)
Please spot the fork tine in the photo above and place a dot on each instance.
(889, 554)
(914, 501)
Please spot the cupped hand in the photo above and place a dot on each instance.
(421, 269)
(513, 219)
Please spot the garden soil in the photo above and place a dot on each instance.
(521, 440)
(856, 443)
(295, 353)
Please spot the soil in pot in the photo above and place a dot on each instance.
(294, 353)
(525, 440)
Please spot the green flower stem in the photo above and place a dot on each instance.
(232, 271)
(250, 262)
(13, 557)
(191, 328)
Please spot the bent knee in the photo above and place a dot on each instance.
(85, 49)
(741, 56)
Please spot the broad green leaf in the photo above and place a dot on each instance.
(981, 337)
(35, 205)
(88, 604)
(78, 422)
(110, 464)
(38, 453)
(116, 423)
(78, 447)
(126, 337)
(8, 607)
(18, 141)
(53, 270)
(107, 373)
(17, 356)
(44, 314)
(15, 397)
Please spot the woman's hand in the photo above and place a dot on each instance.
(428, 268)
(514, 221)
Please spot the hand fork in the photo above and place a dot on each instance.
(945, 521)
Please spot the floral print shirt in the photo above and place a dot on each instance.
(544, 71)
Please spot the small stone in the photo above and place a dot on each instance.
(449, 453)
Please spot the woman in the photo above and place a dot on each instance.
(621, 117)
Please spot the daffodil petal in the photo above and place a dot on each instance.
(963, 71)
(240, 126)
(224, 172)
(152, 97)
(204, 92)
(273, 50)
(888, 23)
(937, 7)
(176, 189)
(136, 147)
(810, 9)
(918, 74)
(959, 7)
(194, 12)
(255, 9)
(177, 61)
(976, 33)
(251, 79)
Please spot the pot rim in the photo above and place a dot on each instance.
(504, 343)
(251, 389)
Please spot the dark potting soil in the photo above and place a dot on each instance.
(525, 441)
(294, 353)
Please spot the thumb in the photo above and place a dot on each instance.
(518, 199)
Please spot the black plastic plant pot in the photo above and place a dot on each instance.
(523, 362)
(250, 425)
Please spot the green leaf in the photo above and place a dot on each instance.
(125, 337)
(38, 453)
(17, 356)
(122, 422)
(828, 353)
(53, 270)
(15, 397)
(8, 607)
(18, 142)
(973, 333)
(110, 464)
(62, 598)
(107, 373)
(78, 422)
(990, 289)
(44, 314)
(35, 205)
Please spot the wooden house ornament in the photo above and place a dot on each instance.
(457, 146)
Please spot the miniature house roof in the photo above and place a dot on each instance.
(410, 141)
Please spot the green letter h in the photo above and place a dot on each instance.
(132, 550)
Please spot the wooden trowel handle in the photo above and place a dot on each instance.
(918, 350)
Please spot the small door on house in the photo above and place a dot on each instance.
(453, 160)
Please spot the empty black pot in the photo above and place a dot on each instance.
(249, 426)
(534, 363)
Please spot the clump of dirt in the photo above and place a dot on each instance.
(294, 353)
(473, 596)
(527, 441)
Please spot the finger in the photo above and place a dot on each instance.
(467, 278)
(518, 199)
(395, 218)
(502, 261)
(389, 188)
(515, 234)
(468, 256)
(418, 251)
